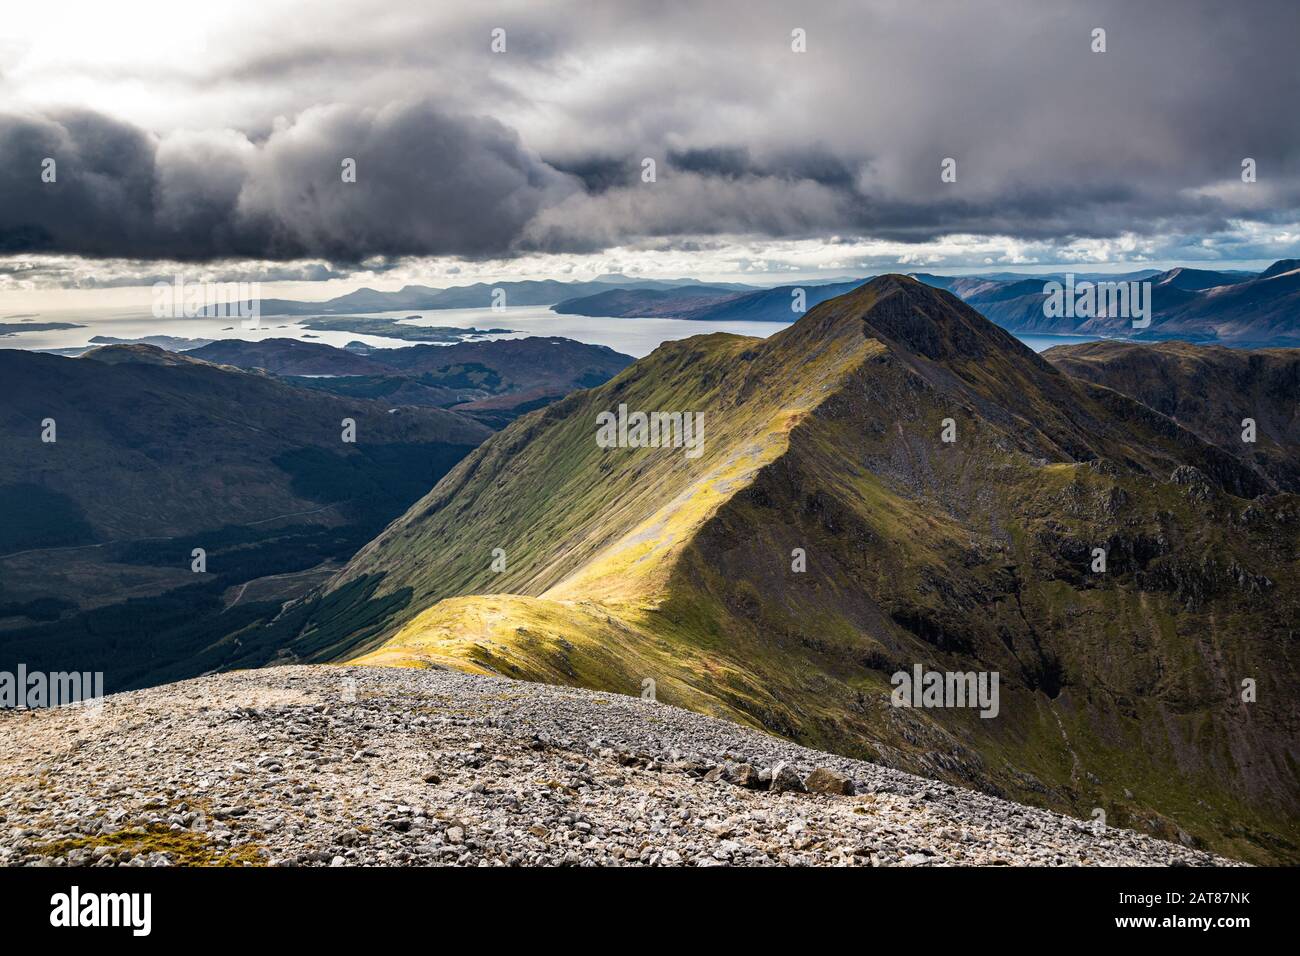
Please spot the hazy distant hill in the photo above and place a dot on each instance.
(288, 357)
(708, 304)
(138, 353)
(824, 445)
(771, 305)
(1195, 280)
(1231, 308)
(517, 374)
(1234, 308)
(479, 295)
(643, 303)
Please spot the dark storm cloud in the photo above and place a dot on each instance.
(1052, 141)
(426, 183)
(599, 173)
(812, 163)
(104, 172)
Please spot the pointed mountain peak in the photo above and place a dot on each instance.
(1280, 267)
(900, 311)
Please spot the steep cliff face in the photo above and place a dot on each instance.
(891, 482)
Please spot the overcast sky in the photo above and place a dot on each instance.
(212, 135)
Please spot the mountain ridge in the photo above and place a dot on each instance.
(974, 555)
(1195, 384)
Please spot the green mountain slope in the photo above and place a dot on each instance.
(1119, 689)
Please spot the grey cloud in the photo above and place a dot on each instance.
(813, 163)
(1053, 142)
(428, 183)
(100, 201)
(600, 173)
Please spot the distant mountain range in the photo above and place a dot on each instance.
(480, 295)
(709, 303)
(645, 303)
(1194, 305)
(828, 537)
(1232, 308)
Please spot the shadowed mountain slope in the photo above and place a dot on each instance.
(1209, 390)
(492, 382)
(160, 447)
(155, 455)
